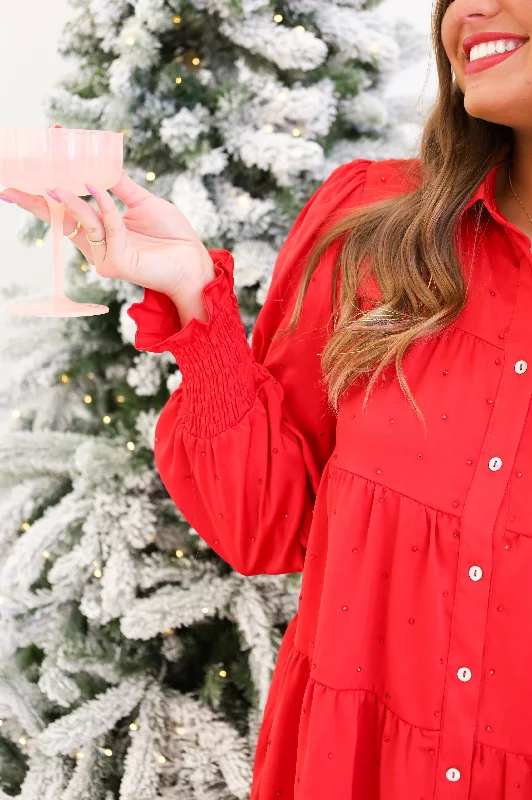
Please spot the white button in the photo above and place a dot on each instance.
(520, 367)
(464, 674)
(495, 463)
(453, 774)
(475, 573)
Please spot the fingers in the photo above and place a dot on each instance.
(80, 210)
(37, 205)
(129, 192)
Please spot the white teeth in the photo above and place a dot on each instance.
(489, 48)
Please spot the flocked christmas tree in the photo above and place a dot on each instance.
(134, 662)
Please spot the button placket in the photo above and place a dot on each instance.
(477, 529)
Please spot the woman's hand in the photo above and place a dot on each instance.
(152, 244)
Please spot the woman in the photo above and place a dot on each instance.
(403, 499)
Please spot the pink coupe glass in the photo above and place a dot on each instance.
(33, 160)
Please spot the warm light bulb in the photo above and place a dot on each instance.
(223, 673)
(178, 80)
(90, 376)
(16, 413)
(39, 242)
(296, 132)
(268, 128)
(133, 726)
(278, 18)
(161, 759)
(79, 755)
(106, 420)
(83, 267)
(45, 554)
(25, 526)
(150, 176)
(22, 740)
(179, 553)
(87, 399)
(180, 731)
(130, 40)
(205, 609)
(65, 378)
(177, 20)
(120, 398)
(195, 61)
(130, 446)
(97, 573)
(108, 752)
(300, 28)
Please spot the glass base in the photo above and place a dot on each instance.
(58, 306)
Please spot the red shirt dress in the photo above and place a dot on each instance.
(406, 673)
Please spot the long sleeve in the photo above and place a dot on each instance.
(241, 444)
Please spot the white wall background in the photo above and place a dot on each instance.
(29, 33)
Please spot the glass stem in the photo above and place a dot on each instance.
(57, 216)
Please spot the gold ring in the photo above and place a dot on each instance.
(74, 232)
(96, 244)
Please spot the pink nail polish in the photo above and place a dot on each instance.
(53, 196)
(6, 199)
(92, 191)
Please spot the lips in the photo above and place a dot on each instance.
(489, 36)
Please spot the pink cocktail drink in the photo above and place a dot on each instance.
(33, 160)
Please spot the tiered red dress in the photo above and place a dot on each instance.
(407, 672)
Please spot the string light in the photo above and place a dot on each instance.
(177, 20)
(278, 18)
(180, 731)
(45, 554)
(39, 242)
(106, 420)
(25, 526)
(130, 446)
(96, 563)
(150, 176)
(65, 378)
(120, 398)
(178, 80)
(126, 131)
(168, 632)
(108, 752)
(87, 399)
(90, 376)
(22, 740)
(300, 28)
(97, 573)
(205, 610)
(161, 759)
(222, 673)
(133, 726)
(79, 755)
(296, 132)
(83, 267)
(130, 40)
(268, 128)
(179, 553)
(196, 61)
(16, 413)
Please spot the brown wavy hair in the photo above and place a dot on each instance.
(411, 241)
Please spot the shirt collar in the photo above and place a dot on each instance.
(486, 192)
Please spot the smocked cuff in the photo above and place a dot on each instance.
(157, 318)
(220, 375)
